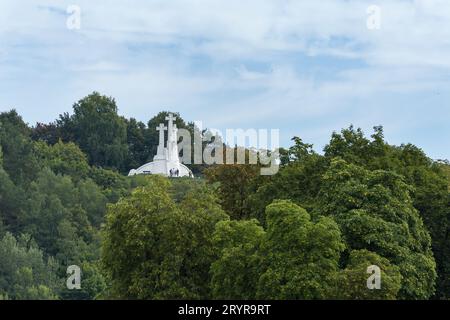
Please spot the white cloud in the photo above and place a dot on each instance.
(230, 61)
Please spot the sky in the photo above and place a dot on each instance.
(305, 67)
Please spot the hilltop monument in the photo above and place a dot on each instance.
(166, 161)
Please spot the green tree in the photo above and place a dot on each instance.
(55, 218)
(375, 212)
(155, 249)
(236, 272)
(93, 201)
(236, 182)
(201, 212)
(113, 184)
(430, 186)
(63, 158)
(139, 149)
(301, 257)
(19, 159)
(353, 279)
(298, 180)
(10, 200)
(99, 131)
(48, 133)
(25, 274)
(445, 167)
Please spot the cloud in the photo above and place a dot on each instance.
(307, 67)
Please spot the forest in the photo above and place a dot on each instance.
(308, 232)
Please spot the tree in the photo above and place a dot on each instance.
(375, 212)
(63, 158)
(156, 249)
(48, 133)
(445, 167)
(139, 150)
(19, 160)
(353, 279)
(298, 180)
(321, 221)
(236, 272)
(298, 152)
(236, 182)
(56, 219)
(93, 283)
(113, 184)
(301, 258)
(201, 212)
(99, 131)
(10, 201)
(295, 258)
(25, 273)
(93, 201)
(430, 185)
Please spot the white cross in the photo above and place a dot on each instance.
(171, 119)
(161, 128)
(170, 136)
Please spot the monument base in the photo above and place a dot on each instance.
(162, 167)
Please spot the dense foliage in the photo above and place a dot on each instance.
(308, 232)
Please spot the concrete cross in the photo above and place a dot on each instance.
(161, 128)
(171, 119)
